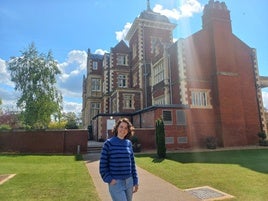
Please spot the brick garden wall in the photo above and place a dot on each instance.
(60, 141)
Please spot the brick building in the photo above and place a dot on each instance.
(203, 85)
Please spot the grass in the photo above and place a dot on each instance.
(46, 177)
(241, 173)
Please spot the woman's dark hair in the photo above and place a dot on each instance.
(129, 125)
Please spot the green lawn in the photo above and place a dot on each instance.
(46, 177)
(241, 173)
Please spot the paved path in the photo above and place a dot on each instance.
(151, 188)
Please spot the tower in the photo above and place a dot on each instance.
(147, 29)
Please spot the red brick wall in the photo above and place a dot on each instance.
(63, 141)
(146, 137)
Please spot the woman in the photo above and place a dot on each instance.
(117, 164)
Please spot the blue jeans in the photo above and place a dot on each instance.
(122, 190)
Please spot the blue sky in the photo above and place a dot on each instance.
(69, 27)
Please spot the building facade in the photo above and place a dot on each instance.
(211, 77)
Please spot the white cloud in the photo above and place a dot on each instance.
(71, 80)
(120, 35)
(69, 83)
(4, 74)
(9, 98)
(100, 51)
(187, 9)
(76, 62)
(72, 107)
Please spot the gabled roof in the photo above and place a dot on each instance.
(149, 14)
(153, 16)
(121, 47)
(96, 57)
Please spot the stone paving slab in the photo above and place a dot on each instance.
(6, 177)
(207, 193)
(151, 187)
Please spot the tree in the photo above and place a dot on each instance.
(160, 138)
(71, 119)
(34, 75)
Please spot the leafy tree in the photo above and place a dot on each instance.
(71, 119)
(34, 75)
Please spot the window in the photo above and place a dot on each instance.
(153, 43)
(159, 101)
(95, 65)
(95, 109)
(158, 73)
(122, 59)
(122, 81)
(95, 84)
(157, 50)
(181, 118)
(167, 116)
(182, 140)
(200, 98)
(128, 101)
(134, 50)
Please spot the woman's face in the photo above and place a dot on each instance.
(122, 130)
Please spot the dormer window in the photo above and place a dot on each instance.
(122, 59)
(95, 65)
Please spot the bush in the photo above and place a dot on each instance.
(160, 138)
(71, 125)
(135, 144)
(57, 125)
(5, 127)
(262, 135)
(211, 142)
(262, 142)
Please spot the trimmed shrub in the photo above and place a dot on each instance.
(160, 138)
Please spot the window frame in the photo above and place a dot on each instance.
(95, 84)
(128, 101)
(122, 81)
(122, 59)
(95, 65)
(94, 108)
(200, 98)
(181, 118)
(167, 121)
(158, 72)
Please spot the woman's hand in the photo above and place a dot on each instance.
(113, 182)
(135, 188)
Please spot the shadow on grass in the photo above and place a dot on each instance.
(158, 160)
(77, 157)
(254, 159)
